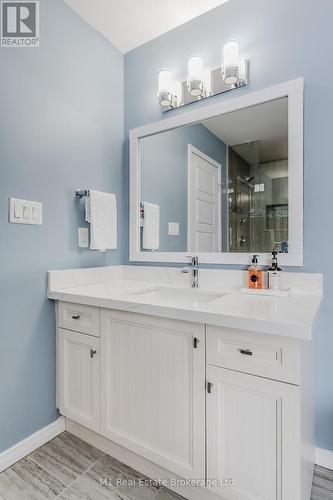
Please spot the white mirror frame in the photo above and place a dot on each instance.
(292, 89)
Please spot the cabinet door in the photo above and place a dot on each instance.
(153, 389)
(252, 436)
(79, 387)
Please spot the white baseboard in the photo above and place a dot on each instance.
(324, 458)
(138, 463)
(30, 444)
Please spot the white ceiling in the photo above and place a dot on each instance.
(266, 123)
(130, 23)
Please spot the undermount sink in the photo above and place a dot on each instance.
(183, 296)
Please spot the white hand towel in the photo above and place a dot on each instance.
(101, 212)
(151, 226)
(87, 208)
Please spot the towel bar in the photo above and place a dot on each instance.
(80, 193)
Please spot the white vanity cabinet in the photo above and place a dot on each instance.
(256, 385)
(79, 378)
(153, 389)
(252, 436)
(189, 400)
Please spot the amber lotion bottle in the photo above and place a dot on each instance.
(255, 275)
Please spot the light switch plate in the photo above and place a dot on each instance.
(25, 212)
(173, 229)
(83, 237)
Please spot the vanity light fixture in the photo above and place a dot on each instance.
(201, 82)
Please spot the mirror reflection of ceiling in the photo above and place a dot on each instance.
(259, 132)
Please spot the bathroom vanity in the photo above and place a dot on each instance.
(202, 384)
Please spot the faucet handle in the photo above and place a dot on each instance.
(194, 259)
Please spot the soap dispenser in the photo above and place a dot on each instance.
(274, 274)
(254, 274)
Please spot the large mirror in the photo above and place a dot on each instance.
(222, 186)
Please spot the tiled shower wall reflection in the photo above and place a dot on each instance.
(258, 203)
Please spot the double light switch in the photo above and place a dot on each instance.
(25, 212)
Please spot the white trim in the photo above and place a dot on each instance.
(190, 151)
(292, 89)
(324, 458)
(31, 443)
(135, 189)
(227, 233)
(250, 99)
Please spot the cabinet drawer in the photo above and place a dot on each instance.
(80, 318)
(259, 354)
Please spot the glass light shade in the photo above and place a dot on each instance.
(195, 69)
(230, 62)
(231, 53)
(165, 83)
(195, 76)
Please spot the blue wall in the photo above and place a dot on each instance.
(283, 40)
(61, 128)
(163, 160)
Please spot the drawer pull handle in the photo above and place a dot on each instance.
(92, 353)
(76, 316)
(246, 352)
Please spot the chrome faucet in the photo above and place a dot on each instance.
(194, 268)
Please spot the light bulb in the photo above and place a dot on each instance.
(230, 62)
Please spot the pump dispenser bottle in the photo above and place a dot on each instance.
(254, 274)
(274, 274)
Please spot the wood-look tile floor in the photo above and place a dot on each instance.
(67, 468)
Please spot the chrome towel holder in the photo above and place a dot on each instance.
(80, 193)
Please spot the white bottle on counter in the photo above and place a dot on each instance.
(274, 274)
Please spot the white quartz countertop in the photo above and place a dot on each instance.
(121, 288)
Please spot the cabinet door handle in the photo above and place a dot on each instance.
(76, 316)
(92, 353)
(195, 343)
(209, 387)
(246, 352)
